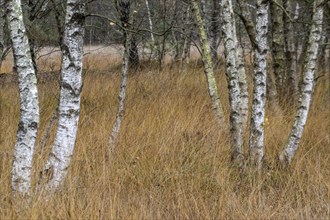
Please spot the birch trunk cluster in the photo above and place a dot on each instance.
(305, 99)
(29, 104)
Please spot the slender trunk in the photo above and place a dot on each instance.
(230, 40)
(29, 105)
(134, 59)
(71, 86)
(151, 27)
(291, 52)
(32, 45)
(122, 94)
(243, 84)
(4, 48)
(2, 31)
(187, 32)
(123, 8)
(278, 44)
(259, 80)
(307, 85)
(208, 65)
(247, 20)
(214, 31)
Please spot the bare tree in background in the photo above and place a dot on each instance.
(29, 104)
(276, 10)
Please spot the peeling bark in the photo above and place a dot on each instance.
(208, 65)
(256, 150)
(29, 105)
(71, 86)
(307, 86)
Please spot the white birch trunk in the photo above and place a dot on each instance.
(256, 150)
(230, 41)
(150, 26)
(307, 85)
(122, 93)
(208, 65)
(29, 105)
(243, 84)
(71, 85)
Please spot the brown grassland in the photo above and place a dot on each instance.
(171, 160)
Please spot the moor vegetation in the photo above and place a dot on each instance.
(171, 159)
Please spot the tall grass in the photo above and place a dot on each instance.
(171, 160)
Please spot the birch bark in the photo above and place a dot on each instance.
(278, 43)
(247, 21)
(230, 41)
(4, 47)
(29, 105)
(151, 27)
(123, 8)
(307, 85)
(256, 150)
(208, 65)
(122, 93)
(71, 86)
(214, 31)
(291, 52)
(2, 31)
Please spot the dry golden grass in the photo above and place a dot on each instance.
(171, 161)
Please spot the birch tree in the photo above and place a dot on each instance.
(153, 41)
(71, 86)
(122, 92)
(214, 30)
(208, 65)
(278, 43)
(230, 41)
(256, 149)
(291, 51)
(4, 47)
(247, 21)
(307, 85)
(123, 8)
(29, 105)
